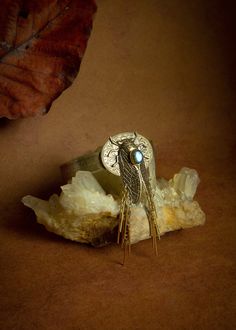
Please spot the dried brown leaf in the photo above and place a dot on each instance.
(41, 47)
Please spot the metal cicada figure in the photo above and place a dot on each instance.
(128, 155)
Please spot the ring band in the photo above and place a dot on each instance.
(92, 162)
(88, 162)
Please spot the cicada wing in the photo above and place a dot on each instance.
(130, 176)
(151, 210)
(145, 176)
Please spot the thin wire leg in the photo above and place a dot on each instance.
(122, 215)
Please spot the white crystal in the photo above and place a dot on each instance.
(84, 213)
(185, 182)
(84, 195)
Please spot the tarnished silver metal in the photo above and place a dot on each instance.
(128, 155)
(110, 150)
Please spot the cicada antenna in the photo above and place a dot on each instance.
(135, 136)
(113, 142)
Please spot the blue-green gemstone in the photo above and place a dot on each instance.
(136, 156)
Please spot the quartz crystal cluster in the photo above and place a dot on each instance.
(85, 213)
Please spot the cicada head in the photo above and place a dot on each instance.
(134, 155)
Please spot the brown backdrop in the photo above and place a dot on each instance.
(165, 69)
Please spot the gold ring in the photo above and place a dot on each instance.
(96, 163)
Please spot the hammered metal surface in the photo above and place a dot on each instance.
(109, 152)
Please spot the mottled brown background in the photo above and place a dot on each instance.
(167, 70)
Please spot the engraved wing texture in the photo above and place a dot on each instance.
(145, 176)
(41, 47)
(130, 176)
